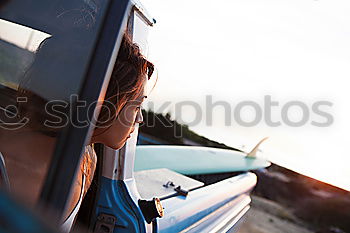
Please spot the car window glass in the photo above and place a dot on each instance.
(45, 52)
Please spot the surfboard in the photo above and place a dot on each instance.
(192, 160)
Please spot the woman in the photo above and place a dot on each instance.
(120, 111)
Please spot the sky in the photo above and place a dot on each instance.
(245, 50)
(234, 52)
(21, 36)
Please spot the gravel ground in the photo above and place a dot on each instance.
(266, 216)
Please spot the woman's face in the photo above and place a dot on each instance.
(115, 135)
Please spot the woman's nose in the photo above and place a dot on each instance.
(139, 117)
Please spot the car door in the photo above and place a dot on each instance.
(56, 59)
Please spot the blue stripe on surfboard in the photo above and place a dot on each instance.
(190, 160)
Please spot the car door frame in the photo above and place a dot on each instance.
(70, 146)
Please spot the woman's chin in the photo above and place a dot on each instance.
(117, 146)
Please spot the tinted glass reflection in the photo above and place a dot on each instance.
(45, 50)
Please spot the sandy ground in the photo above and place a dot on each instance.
(266, 216)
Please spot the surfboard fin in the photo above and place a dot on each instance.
(252, 153)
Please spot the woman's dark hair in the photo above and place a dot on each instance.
(127, 80)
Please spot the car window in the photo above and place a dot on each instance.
(45, 52)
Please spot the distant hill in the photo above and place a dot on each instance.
(170, 132)
(324, 206)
